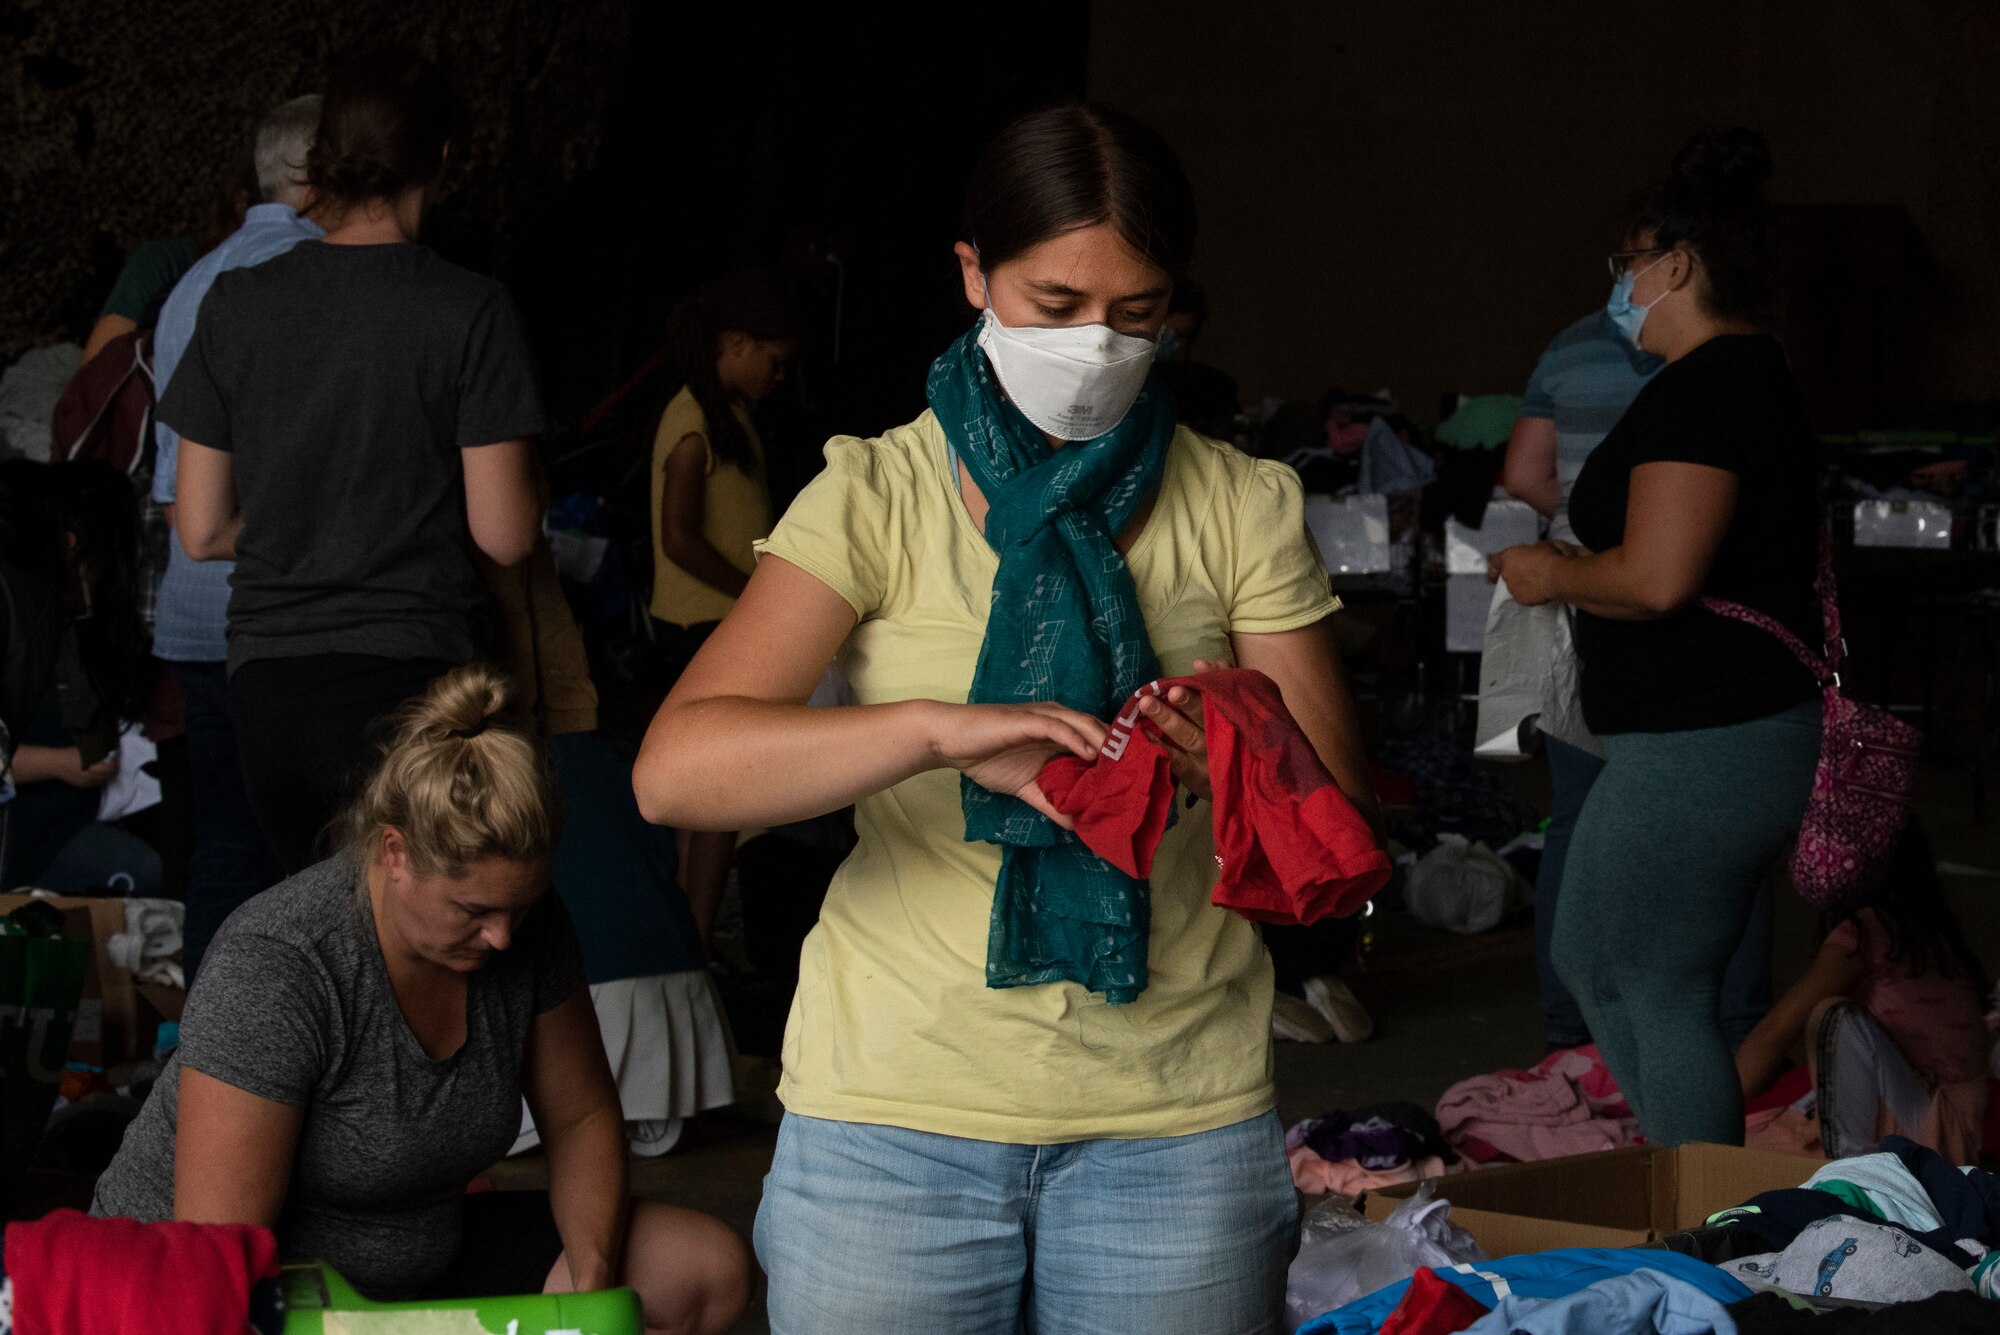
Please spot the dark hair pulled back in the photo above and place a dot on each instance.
(749, 302)
(1078, 165)
(1924, 935)
(383, 127)
(1712, 203)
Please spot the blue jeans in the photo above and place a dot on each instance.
(231, 860)
(881, 1230)
(1746, 987)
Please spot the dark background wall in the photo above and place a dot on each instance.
(126, 122)
(616, 153)
(1406, 195)
(1419, 195)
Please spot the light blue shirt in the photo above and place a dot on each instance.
(193, 614)
(1584, 383)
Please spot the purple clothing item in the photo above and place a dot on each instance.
(1379, 1138)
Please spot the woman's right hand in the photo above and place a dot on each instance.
(1002, 748)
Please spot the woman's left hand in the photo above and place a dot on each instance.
(1178, 716)
(1530, 569)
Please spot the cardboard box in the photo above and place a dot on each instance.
(119, 1015)
(1616, 1198)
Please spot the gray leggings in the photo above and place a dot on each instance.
(1662, 871)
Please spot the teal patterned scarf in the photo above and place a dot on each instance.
(1065, 626)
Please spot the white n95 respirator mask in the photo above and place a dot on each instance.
(1075, 382)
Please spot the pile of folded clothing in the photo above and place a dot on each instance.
(1900, 1242)
(1347, 1153)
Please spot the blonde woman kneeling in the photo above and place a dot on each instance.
(362, 1034)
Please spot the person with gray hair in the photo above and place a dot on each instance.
(232, 860)
(283, 139)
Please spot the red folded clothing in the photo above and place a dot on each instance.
(1432, 1306)
(1292, 848)
(75, 1275)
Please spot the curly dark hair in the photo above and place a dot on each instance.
(1712, 203)
(1924, 934)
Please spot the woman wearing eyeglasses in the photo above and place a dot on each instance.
(1707, 487)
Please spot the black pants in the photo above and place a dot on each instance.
(309, 729)
(677, 647)
(232, 860)
(507, 1244)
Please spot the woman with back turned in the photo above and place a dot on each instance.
(355, 420)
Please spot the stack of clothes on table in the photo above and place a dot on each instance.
(1883, 1227)
(1568, 1103)
(1565, 1104)
(1347, 1153)
(1895, 1243)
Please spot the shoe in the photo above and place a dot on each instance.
(1343, 1012)
(1292, 1021)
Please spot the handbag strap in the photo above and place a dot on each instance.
(1825, 670)
(1829, 604)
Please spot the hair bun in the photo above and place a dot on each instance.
(463, 702)
(465, 777)
(1734, 162)
(350, 176)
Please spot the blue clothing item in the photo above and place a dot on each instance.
(877, 1230)
(193, 609)
(232, 860)
(1909, 1184)
(1572, 770)
(615, 872)
(1643, 1303)
(1584, 382)
(1555, 1274)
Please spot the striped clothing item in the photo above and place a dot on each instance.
(1584, 382)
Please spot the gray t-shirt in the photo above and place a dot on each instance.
(293, 1004)
(345, 381)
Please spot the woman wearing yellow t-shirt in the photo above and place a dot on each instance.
(711, 500)
(1022, 1091)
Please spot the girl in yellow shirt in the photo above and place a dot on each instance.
(1022, 1091)
(711, 498)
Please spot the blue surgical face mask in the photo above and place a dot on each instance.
(1624, 313)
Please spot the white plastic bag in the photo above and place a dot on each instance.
(1562, 704)
(1459, 886)
(1513, 674)
(1343, 1256)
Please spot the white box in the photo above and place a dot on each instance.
(1924, 524)
(1352, 533)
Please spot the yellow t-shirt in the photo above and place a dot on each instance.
(735, 513)
(893, 1023)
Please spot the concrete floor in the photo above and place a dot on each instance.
(1445, 1008)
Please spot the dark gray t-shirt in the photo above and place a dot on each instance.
(345, 380)
(293, 1004)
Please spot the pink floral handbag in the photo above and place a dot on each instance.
(1867, 771)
